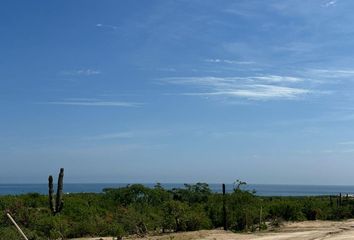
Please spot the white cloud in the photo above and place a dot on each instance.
(332, 73)
(106, 26)
(258, 92)
(168, 69)
(347, 143)
(81, 99)
(278, 79)
(130, 134)
(217, 60)
(96, 103)
(112, 136)
(263, 87)
(330, 3)
(82, 72)
(241, 12)
(202, 81)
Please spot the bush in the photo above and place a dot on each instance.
(9, 233)
(136, 209)
(287, 210)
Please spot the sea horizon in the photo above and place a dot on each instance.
(259, 189)
(182, 183)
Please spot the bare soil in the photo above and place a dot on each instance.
(308, 230)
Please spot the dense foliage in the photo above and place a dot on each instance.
(136, 209)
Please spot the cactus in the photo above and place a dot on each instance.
(51, 193)
(224, 207)
(340, 199)
(56, 205)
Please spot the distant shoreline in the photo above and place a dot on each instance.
(261, 189)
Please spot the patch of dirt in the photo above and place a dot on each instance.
(308, 230)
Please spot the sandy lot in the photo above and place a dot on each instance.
(309, 230)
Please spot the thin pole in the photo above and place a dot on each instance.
(18, 228)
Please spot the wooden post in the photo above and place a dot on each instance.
(223, 206)
(18, 228)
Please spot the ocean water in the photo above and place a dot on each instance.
(260, 189)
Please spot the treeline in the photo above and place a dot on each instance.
(136, 209)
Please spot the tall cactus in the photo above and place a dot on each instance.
(224, 217)
(56, 205)
(51, 194)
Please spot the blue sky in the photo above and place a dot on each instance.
(177, 91)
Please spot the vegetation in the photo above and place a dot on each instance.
(136, 209)
(56, 205)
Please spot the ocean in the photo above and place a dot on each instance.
(260, 189)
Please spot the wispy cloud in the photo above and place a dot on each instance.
(265, 87)
(241, 12)
(130, 134)
(166, 69)
(82, 72)
(95, 103)
(217, 60)
(232, 81)
(278, 79)
(258, 92)
(337, 151)
(106, 26)
(331, 3)
(112, 136)
(347, 143)
(332, 73)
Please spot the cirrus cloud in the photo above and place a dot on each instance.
(264, 87)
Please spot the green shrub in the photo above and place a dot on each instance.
(135, 209)
(9, 233)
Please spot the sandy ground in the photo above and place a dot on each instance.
(309, 230)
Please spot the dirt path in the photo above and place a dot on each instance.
(309, 230)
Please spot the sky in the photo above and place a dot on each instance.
(177, 91)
